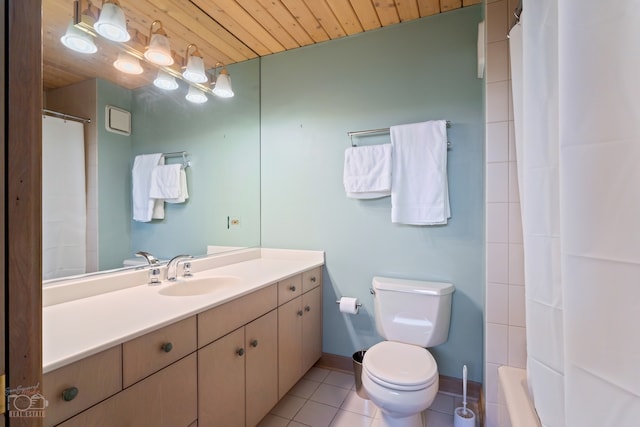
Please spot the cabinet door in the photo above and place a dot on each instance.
(289, 345)
(261, 342)
(165, 399)
(221, 382)
(311, 328)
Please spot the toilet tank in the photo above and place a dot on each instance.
(412, 311)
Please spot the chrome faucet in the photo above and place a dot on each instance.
(173, 265)
(151, 260)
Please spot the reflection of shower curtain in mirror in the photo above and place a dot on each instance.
(63, 198)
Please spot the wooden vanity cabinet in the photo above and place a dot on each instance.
(300, 332)
(237, 375)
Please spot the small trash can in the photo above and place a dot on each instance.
(357, 371)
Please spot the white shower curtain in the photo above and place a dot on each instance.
(63, 198)
(577, 116)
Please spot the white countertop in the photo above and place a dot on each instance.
(77, 327)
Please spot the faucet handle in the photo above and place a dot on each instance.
(186, 270)
(154, 276)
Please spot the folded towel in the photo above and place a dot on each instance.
(184, 194)
(144, 208)
(165, 182)
(367, 171)
(419, 187)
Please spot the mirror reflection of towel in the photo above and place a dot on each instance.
(144, 208)
(169, 184)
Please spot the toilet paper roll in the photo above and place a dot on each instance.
(349, 305)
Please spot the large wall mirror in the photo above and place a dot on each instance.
(220, 139)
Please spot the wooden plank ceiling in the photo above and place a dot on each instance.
(227, 31)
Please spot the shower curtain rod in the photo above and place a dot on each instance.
(64, 116)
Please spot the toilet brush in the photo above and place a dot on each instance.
(464, 417)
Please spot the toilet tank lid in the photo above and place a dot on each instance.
(412, 286)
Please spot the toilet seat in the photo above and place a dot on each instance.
(400, 366)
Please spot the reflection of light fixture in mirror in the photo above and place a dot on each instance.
(222, 83)
(196, 96)
(165, 81)
(76, 39)
(194, 68)
(159, 49)
(128, 64)
(112, 24)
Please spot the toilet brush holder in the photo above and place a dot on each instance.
(464, 417)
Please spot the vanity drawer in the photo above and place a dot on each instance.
(289, 288)
(311, 279)
(77, 386)
(151, 352)
(219, 321)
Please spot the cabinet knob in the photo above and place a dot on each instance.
(167, 347)
(313, 279)
(69, 394)
(307, 308)
(240, 351)
(300, 313)
(292, 288)
(254, 343)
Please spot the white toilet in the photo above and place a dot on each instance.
(400, 375)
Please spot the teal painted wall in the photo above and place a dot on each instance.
(114, 179)
(311, 97)
(222, 138)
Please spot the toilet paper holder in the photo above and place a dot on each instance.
(357, 305)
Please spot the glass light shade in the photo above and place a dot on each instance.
(128, 64)
(195, 70)
(76, 39)
(196, 96)
(223, 85)
(159, 50)
(165, 81)
(112, 24)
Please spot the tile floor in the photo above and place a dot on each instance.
(326, 398)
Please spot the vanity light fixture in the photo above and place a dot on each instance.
(194, 68)
(165, 81)
(159, 49)
(128, 64)
(222, 84)
(112, 24)
(196, 96)
(78, 40)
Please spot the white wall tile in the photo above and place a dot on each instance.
(517, 347)
(512, 141)
(497, 182)
(497, 263)
(498, 222)
(497, 61)
(497, 102)
(497, 344)
(497, 303)
(514, 191)
(491, 415)
(515, 223)
(498, 142)
(491, 382)
(516, 264)
(516, 306)
(497, 21)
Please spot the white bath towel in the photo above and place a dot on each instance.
(184, 193)
(145, 208)
(367, 171)
(419, 187)
(165, 182)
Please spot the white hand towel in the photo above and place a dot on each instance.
(419, 187)
(143, 205)
(367, 171)
(165, 182)
(184, 193)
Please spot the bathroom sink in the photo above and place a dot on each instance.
(201, 286)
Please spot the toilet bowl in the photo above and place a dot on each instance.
(402, 380)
